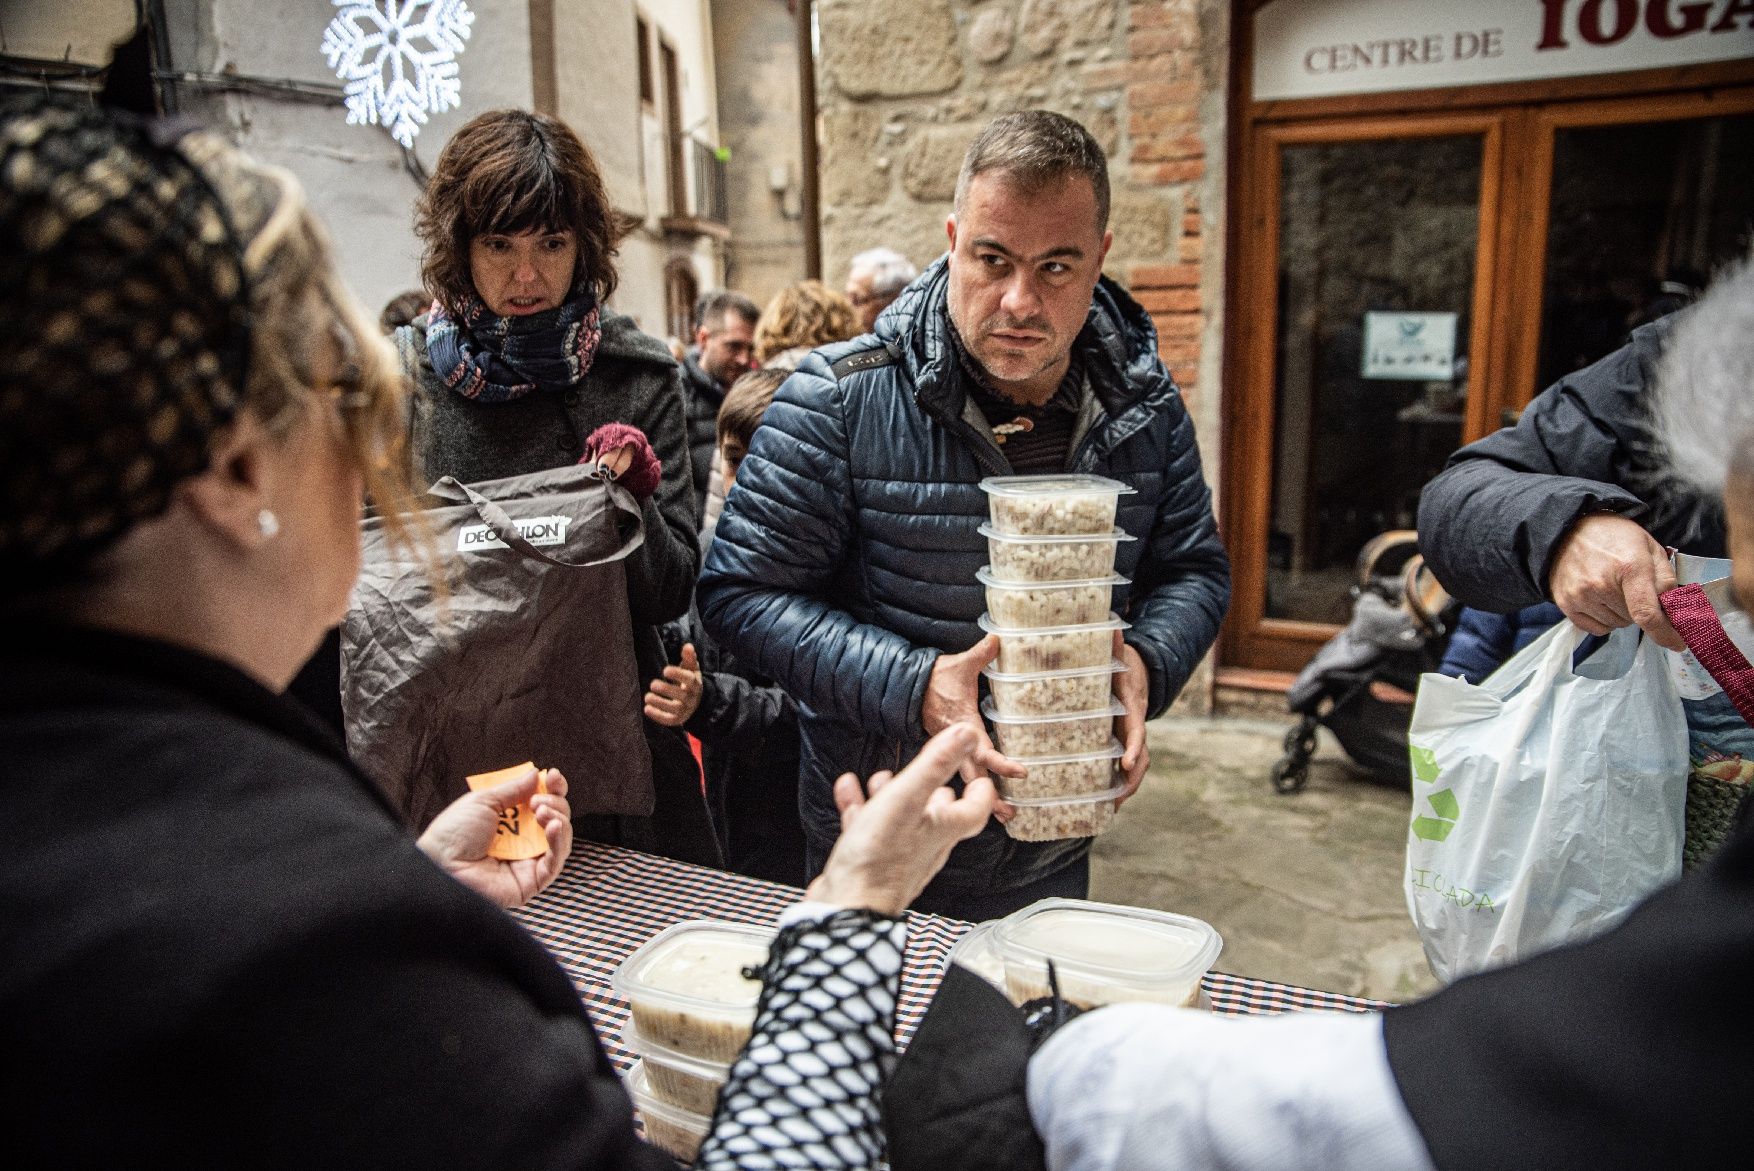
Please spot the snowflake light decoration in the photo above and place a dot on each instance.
(398, 59)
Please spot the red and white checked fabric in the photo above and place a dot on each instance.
(609, 900)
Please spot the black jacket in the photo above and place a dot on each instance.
(1490, 524)
(222, 949)
(704, 396)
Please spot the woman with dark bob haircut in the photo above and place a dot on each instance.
(520, 366)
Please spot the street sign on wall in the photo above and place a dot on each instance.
(1324, 48)
(1409, 345)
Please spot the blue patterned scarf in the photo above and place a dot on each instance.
(494, 359)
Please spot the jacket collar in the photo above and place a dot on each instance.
(699, 381)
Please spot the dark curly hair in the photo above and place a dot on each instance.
(507, 172)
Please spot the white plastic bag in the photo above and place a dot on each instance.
(1547, 801)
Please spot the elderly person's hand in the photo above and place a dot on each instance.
(897, 830)
(1608, 573)
(458, 838)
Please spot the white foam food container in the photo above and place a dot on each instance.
(1044, 693)
(1052, 777)
(677, 1079)
(1049, 603)
(1033, 506)
(1105, 954)
(1057, 648)
(1056, 557)
(686, 991)
(1054, 819)
(974, 951)
(1057, 735)
(679, 1132)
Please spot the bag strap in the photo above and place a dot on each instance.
(1691, 614)
(495, 518)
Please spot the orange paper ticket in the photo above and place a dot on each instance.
(518, 836)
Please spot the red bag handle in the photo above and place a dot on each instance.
(1691, 614)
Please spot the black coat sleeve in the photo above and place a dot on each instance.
(660, 573)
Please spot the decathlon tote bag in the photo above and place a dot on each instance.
(530, 657)
(1547, 801)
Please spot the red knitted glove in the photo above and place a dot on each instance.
(642, 475)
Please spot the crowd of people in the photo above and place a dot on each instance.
(222, 943)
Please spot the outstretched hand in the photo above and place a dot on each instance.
(896, 831)
(458, 838)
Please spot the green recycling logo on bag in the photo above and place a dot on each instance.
(1443, 803)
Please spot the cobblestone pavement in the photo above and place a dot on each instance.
(1305, 889)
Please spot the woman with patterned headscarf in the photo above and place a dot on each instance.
(220, 947)
(520, 367)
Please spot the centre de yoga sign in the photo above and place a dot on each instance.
(1326, 48)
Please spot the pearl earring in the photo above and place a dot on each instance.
(268, 523)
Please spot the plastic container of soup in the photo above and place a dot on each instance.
(676, 1079)
(1055, 735)
(1053, 819)
(1063, 557)
(679, 1132)
(1039, 506)
(1049, 603)
(686, 989)
(974, 951)
(1044, 693)
(1050, 777)
(1023, 651)
(1104, 954)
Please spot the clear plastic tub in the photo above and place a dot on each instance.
(677, 1079)
(1037, 506)
(1104, 954)
(1053, 819)
(686, 989)
(678, 1132)
(974, 951)
(1049, 603)
(1059, 648)
(1063, 776)
(1074, 557)
(1056, 735)
(1045, 693)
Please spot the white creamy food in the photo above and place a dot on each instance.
(1102, 958)
(691, 995)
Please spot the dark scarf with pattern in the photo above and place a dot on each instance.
(494, 359)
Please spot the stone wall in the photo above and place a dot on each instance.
(904, 85)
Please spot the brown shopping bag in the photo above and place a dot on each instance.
(530, 657)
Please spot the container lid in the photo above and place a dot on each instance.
(984, 575)
(1054, 485)
(1115, 708)
(986, 623)
(974, 951)
(1124, 945)
(1115, 667)
(1080, 799)
(662, 968)
(1117, 536)
(1114, 751)
(639, 1088)
(658, 1054)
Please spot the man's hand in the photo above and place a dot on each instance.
(1608, 573)
(952, 698)
(673, 700)
(1133, 689)
(896, 832)
(459, 837)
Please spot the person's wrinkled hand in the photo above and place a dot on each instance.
(1608, 573)
(673, 700)
(458, 838)
(952, 697)
(1133, 689)
(897, 830)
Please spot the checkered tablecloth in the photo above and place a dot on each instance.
(609, 900)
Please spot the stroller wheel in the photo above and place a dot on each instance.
(1290, 773)
(1300, 742)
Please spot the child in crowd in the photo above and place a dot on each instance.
(747, 727)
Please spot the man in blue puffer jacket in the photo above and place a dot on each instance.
(844, 565)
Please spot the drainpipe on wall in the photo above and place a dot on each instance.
(812, 193)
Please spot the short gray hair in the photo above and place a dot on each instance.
(890, 270)
(1703, 405)
(1036, 149)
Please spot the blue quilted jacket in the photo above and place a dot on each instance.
(845, 559)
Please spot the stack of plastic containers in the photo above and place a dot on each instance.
(1050, 582)
(691, 1011)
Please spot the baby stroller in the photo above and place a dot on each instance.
(1361, 683)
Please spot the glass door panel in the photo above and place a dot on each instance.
(1376, 269)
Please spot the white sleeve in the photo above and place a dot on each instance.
(1143, 1087)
